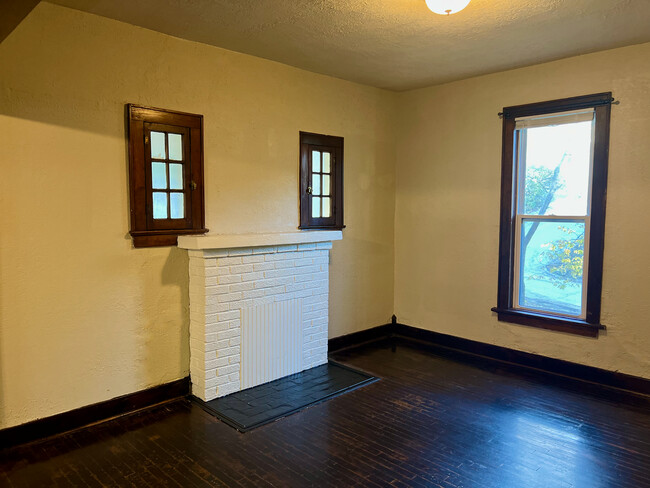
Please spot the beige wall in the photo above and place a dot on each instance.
(84, 317)
(447, 207)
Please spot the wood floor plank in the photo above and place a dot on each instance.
(431, 421)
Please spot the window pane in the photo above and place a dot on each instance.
(175, 146)
(159, 205)
(158, 145)
(315, 161)
(551, 265)
(315, 184)
(175, 176)
(158, 175)
(556, 162)
(176, 204)
(315, 207)
(326, 185)
(327, 207)
(326, 162)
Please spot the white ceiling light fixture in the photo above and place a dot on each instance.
(447, 7)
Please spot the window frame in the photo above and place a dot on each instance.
(145, 230)
(594, 240)
(325, 143)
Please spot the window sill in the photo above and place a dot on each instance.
(160, 238)
(570, 326)
(321, 227)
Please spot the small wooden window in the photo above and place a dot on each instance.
(321, 181)
(166, 175)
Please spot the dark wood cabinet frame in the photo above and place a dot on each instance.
(601, 102)
(334, 145)
(145, 230)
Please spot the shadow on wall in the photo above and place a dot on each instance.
(166, 333)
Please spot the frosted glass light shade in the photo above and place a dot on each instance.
(447, 7)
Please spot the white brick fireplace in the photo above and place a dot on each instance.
(258, 307)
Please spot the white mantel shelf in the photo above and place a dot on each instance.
(230, 241)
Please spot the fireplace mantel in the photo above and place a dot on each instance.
(258, 307)
(233, 241)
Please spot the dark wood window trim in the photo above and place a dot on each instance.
(601, 102)
(145, 230)
(333, 146)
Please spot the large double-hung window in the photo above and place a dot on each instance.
(554, 174)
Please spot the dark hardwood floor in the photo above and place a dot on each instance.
(431, 421)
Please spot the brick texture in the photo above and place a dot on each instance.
(224, 282)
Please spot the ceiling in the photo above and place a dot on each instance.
(393, 44)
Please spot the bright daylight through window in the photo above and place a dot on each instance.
(555, 160)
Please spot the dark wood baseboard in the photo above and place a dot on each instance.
(598, 376)
(80, 417)
(361, 337)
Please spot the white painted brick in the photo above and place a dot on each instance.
(304, 262)
(228, 334)
(253, 258)
(289, 263)
(254, 294)
(229, 297)
(241, 286)
(324, 245)
(240, 251)
(264, 250)
(229, 278)
(226, 370)
(231, 351)
(229, 388)
(228, 316)
(234, 359)
(274, 291)
(234, 323)
(287, 248)
(216, 308)
(263, 266)
(252, 276)
(306, 246)
(235, 341)
(215, 253)
(239, 304)
(241, 268)
(229, 261)
(233, 376)
(266, 283)
(217, 290)
(217, 363)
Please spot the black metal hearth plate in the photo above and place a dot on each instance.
(254, 407)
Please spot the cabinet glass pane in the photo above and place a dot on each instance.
(158, 145)
(176, 205)
(315, 161)
(315, 184)
(175, 176)
(315, 207)
(551, 259)
(158, 176)
(556, 164)
(159, 205)
(326, 185)
(327, 207)
(326, 162)
(175, 146)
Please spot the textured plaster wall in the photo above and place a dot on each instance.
(84, 317)
(447, 207)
